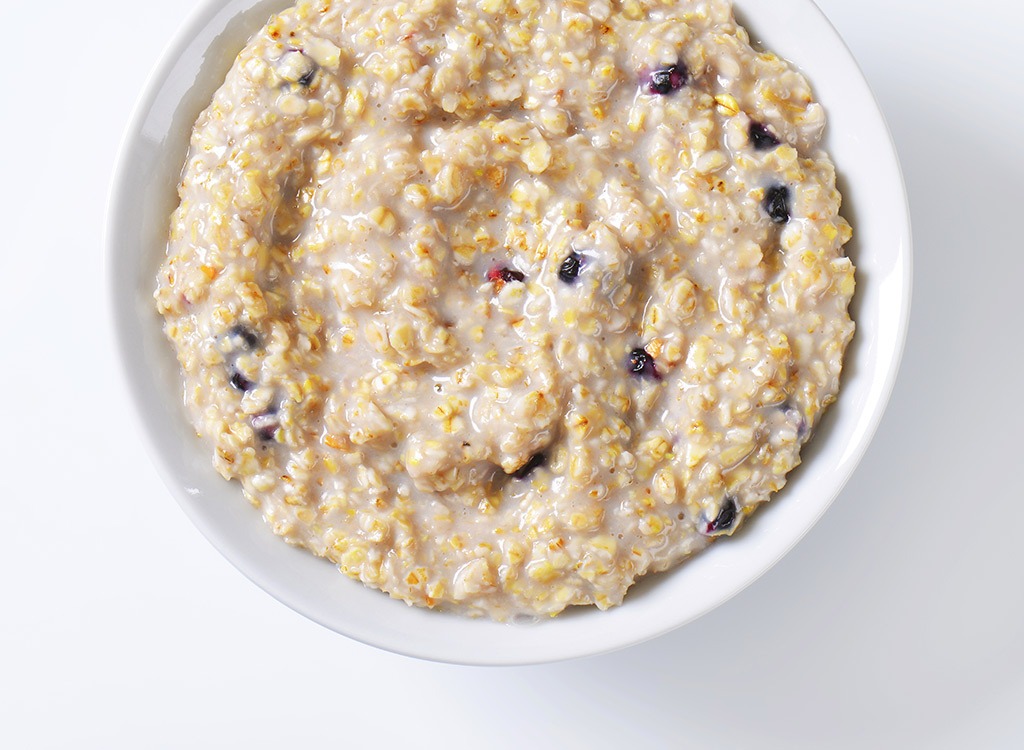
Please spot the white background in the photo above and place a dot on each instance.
(897, 623)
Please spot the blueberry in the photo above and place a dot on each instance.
(638, 360)
(239, 382)
(776, 203)
(505, 274)
(265, 425)
(641, 363)
(244, 337)
(307, 78)
(536, 460)
(724, 520)
(570, 268)
(761, 137)
(667, 79)
(295, 66)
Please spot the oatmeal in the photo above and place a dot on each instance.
(499, 305)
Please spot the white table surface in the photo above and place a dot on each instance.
(897, 623)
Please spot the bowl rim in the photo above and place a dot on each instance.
(507, 650)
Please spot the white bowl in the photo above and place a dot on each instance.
(144, 194)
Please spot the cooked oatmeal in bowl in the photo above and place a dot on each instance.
(144, 195)
(501, 305)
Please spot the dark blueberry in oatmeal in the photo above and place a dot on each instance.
(535, 461)
(570, 268)
(307, 78)
(776, 203)
(667, 79)
(505, 274)
(243, 337)
(641, 363)
(265, 425)
(295, 66)
(239, 382)
(761, 137)
(724, 520)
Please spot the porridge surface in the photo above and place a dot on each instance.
(501, 304)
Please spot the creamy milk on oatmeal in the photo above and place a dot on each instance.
(501, 304)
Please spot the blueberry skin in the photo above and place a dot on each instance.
(642, 364)
(638, 360)
(248, 337)
(265, 425)
(239, 382)
(761, 138)
(725, 519)
(569, 271)
(505, 274)
(776, 203)
(667, 79)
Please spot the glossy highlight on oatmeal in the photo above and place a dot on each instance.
(500, 305)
